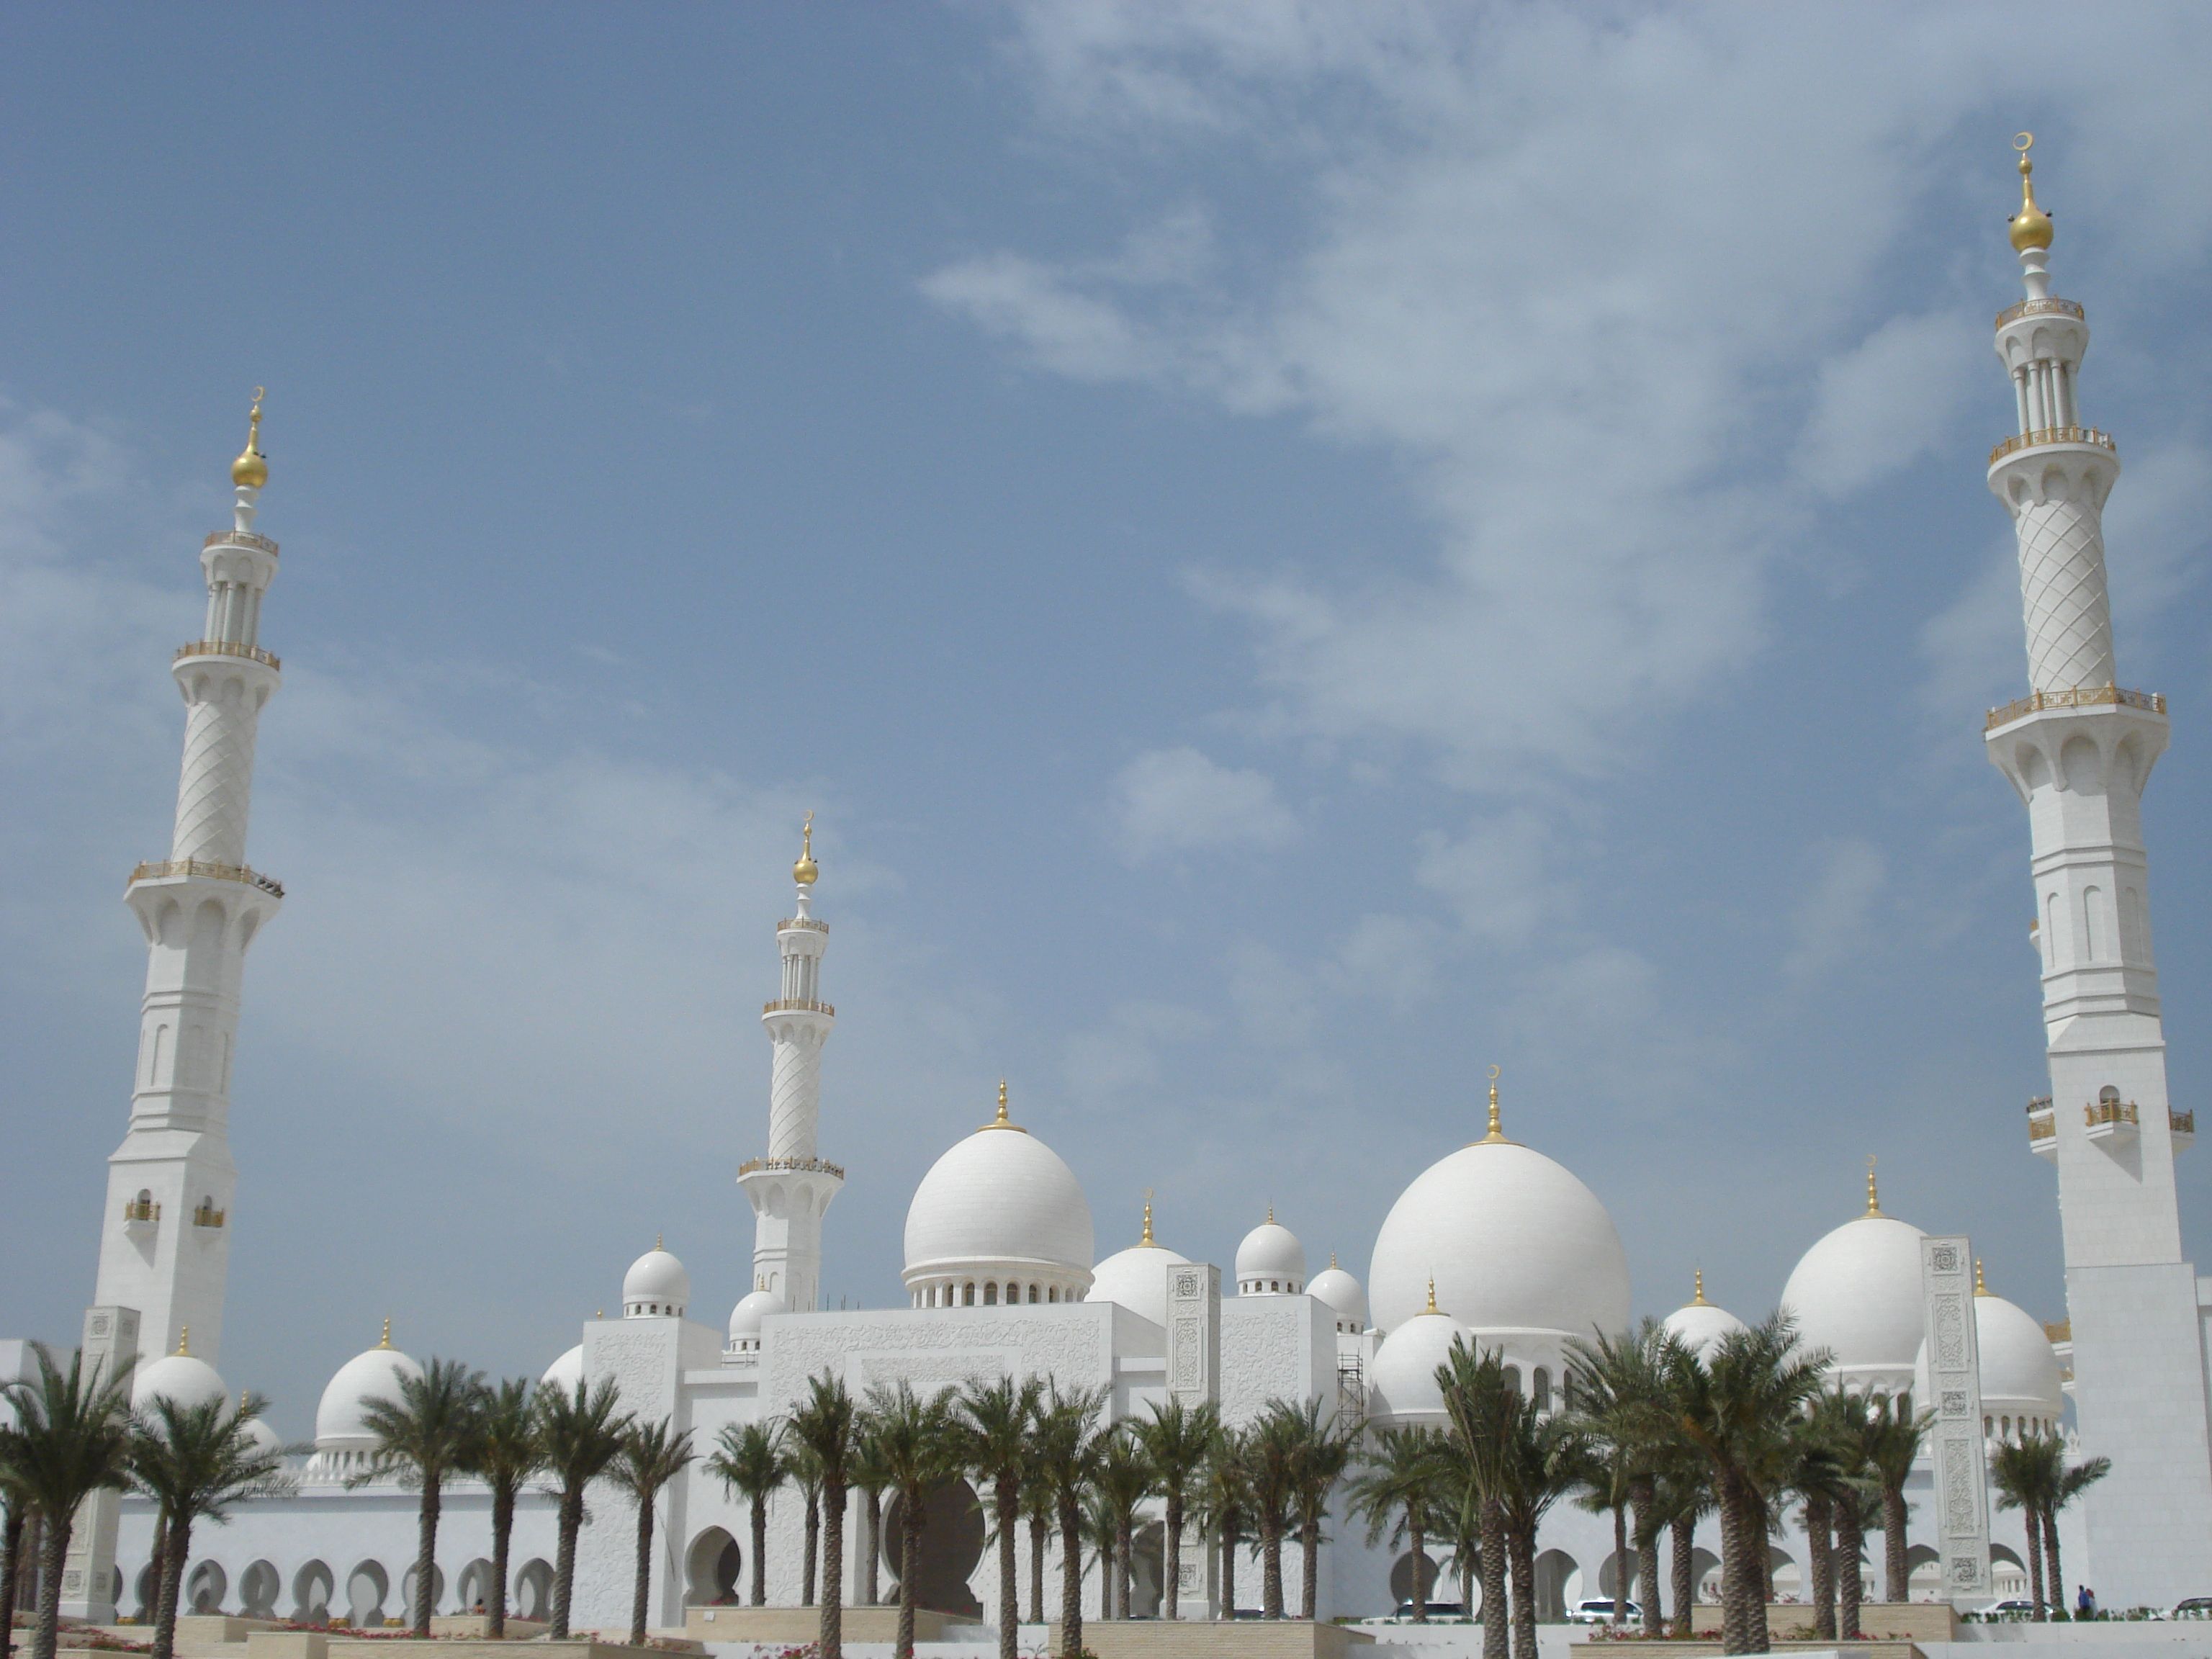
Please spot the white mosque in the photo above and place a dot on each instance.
(1495, 1239)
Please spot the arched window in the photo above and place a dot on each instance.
(991, 1295)
(1513, 1379)
(1542, 1383)
(968, 1296)
(1033, 1295)
(1052, 1295)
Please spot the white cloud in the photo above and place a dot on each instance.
(1498, 876)
(1895, 396)
(1831, 921)
(1176, 800)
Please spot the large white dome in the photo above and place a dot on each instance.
(1343, 1296)
(2022, 1381)
(1271, 1261)
(181, 1379)
(746, 1318)
(999, 1204)
(1514, 1243)
(1401, 1385)
(371, 1375)
(656, 1286)
(1699, 1325)
(1137, 1278)
(1857, 1294)
(565, 1372)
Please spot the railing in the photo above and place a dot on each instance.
(141, 1209)
(2042, 308)
(239, 872)
(2098, 1112)
(2042, 1128)
(2082, 696)
(2052, 435)
(2039, 1104)
(802, 1165)
(208, 1216)
(807, 922)
(2181, 1123)
(240, 539)
(2060, 1330)
(227, 649)
(797, 1006)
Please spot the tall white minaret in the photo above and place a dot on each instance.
(2079, 749)
(165, 1232)
(792, 1187)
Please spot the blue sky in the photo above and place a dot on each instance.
(1298, 552)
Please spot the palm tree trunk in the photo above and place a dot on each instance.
(2050, 1551)
(1070, 1578)
(2035, 1564)
(760, 1549)
(1735, 1571)
(1309, 1566)
(176, 1549)
(1647, 1559)
(1171, 1568)
(641, 1591)
(564, 1563)
(910, 1565)
(1038, 1527)
(53, 1551)
(1230, 1544)
(1761, 1584)
(1619, 1568)
(1106, 1578)
(1497, 1619)
(1762, 1529)
(1850, 1588)
(502, 1530)
(1820, 1539)
(1413, 1537)
(874, 1581)
(1271, 1567)
(1125, 1550)
(1522, 1543)
(1006, 1500)
(813, 1546)
(1896, 1580)
(11, 1563)
(426, 1556)
(833, 1573)
(1684, 1543)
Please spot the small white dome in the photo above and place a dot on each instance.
(1402, 1382)
(1137, 1278)
(565, 1372)
(1514, 1241)
(1699, 1325)
(1857, 1294)
(999, 1204)
(264, 1438)
(746, 1318)
(180, 1378)
(371, 1375)
(2021, 1378)
(1270, 1261)
(1341, 1292)
(655, 1286)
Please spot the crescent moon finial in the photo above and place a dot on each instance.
(1494, 1074)
(2023, 142)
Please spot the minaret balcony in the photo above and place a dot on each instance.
(791, 1165)
(228, 648)
(2081, 696)
(141, 1217)
(2183, 1128)
(2043, 1129)
(240, 539)
(801, 924)
(171, 869)
(2047, 307)
(2044, 436)
(796, 1005)
(2112, 1120)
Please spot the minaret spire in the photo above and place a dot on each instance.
(792, 1187)
(2079, 749)
(164, 1239)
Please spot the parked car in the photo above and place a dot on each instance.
(1600, 1612)
(2011, 1606)
(2194, 1606)
(1437, 1610)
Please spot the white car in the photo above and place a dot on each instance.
(2012, 1607)
(2196, 1606)
(1599, 1611)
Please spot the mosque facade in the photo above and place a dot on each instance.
(1495, 1241)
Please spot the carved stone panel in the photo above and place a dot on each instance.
(1955, 1440)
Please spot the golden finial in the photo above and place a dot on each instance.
(1873, 1196)
(1332, 1262)
(657, 1237)
(1004, 1122)
(184, 1338)
(1271, 1212)
(1698, 1299)
(1981, 1287)
(250, 470)
(1147, 1238)
(2030, 226)
(387, 1342)
(805, 870)
(1497, 1125)
(1432, 1307)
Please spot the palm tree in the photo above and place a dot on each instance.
(2070, 1485)
(1543, 1461)
(2021, 1477)
(425, 1436)
(806, 1475)
(866, 1472)
(1849, 1427)
(1224, 1502)
(1613, 1382)
(1037, 1507)
(994, 1420)
(748, 1459)
(1273, 1451)
(919, 1447)
(11, 1533)
(1481, 1405)
(652, 1455)
(1682, 1495)
(504, 1456)
(1124, 1480)
(194, 1462)
(1893, 1447)
(72, 1438)
(822, 1422)
(1401, 1487)
(581, 1433)
(1323, 1451)
(1066, 1456)
(1821, 1470)
(1177, 1439)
